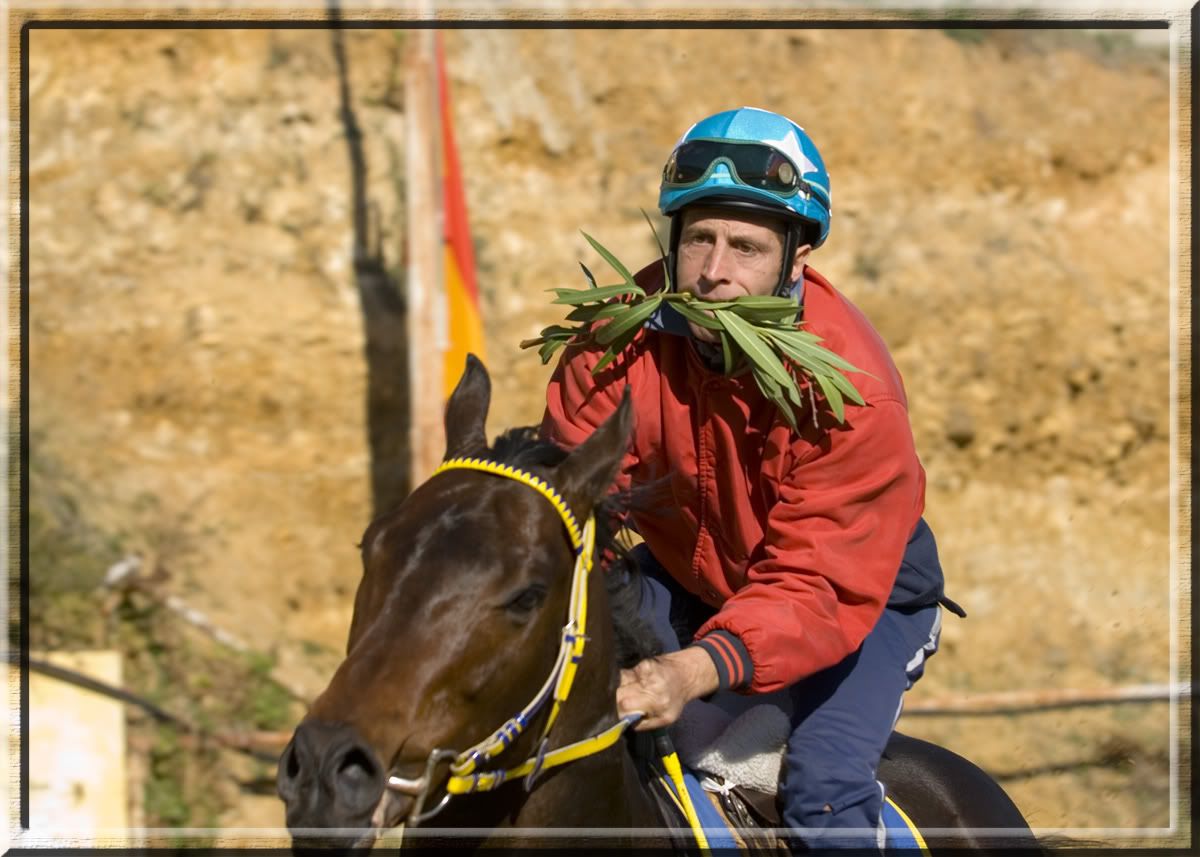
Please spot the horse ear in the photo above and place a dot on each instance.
(586, 474)
(467, 410)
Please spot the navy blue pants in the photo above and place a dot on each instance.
(841, 717)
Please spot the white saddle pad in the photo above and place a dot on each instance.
(738, 738)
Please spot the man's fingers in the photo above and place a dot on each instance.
(647, 688)
(629, 701)
(652, 721)
(645, 669)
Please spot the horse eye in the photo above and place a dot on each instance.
(528, 599)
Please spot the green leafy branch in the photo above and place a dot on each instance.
(757, 331)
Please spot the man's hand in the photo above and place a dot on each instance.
(661, 686)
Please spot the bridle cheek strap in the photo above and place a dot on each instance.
(464, 769)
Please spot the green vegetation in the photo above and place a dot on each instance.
(757, 333)
(165, 661)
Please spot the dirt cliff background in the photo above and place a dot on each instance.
(200, 337)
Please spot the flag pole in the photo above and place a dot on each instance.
(425, 298)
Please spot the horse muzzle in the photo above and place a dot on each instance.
(330, 779)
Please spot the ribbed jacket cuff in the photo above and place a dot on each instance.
(734, 667)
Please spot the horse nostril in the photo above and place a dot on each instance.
(356, 766)
(293, 766)
(358, 778)
(288, 771)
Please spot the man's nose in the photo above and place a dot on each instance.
(713, 270)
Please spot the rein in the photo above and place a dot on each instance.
(466, 776)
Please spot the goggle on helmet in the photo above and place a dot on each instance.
(753, 157)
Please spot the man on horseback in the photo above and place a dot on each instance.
(782, 558)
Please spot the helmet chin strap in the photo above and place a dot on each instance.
(673, 248)
(790, 242)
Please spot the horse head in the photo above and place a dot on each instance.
(460, 611)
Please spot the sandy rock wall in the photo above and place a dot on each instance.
(1001, 212)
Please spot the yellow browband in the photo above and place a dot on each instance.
(538, 485)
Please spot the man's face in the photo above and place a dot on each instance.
(725, 254)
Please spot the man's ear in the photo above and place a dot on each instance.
(799, 259)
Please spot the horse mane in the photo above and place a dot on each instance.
(636, 641)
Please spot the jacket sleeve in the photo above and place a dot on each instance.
(833, 546)
(577, 403)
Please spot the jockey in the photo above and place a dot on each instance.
(791, 560)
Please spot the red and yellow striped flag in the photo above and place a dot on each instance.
(464, 322)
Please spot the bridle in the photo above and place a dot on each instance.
(466, 768)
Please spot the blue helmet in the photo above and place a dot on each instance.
(750, 158)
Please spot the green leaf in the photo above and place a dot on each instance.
(575, 297)
(699, 316)
(847, 389)
(812, 361)
(762, 328)
(791, 333)
(835, 398)
(806, 360)
(807, 347)
(661, 252)
(752, 345)
(547, 350)
(766, 302)
(766, 316)
(558, 331)
(766, 383)
(613, 261)
(692, 300)
(793, 392)
(596, 312)
(585, 313)
(632, 319)
(772, 390)
(764, 308)
(608, 357)
(618, 345)
(611, 310)
(591, 279)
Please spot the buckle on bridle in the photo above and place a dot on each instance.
(419, 788)
(539, 763)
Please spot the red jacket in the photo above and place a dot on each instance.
(795, 537)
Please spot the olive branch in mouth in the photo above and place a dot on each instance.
(756, 331)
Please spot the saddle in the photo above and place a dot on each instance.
(734, 818)
(731, 763)
(732, 750)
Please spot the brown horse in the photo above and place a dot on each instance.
(466, 622)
